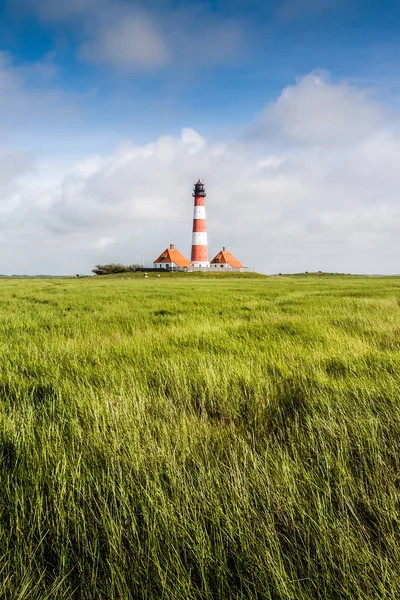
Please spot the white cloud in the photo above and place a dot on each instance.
(13, 165)
(127, 42)
(127, 39)
(316, 111)
(40, 71)
(315, 200)
(128, 36)
(22, 104)
(198, 38)
(103, 242)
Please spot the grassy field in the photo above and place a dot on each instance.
(200, 438)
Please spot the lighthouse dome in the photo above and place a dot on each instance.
(199, 189)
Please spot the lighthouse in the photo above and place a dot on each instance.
(199, 238)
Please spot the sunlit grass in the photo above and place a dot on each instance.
(200, 438)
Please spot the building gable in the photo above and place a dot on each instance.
(224, 257)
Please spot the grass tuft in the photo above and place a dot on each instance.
(195, 438)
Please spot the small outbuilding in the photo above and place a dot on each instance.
(171, 258)
(225, 260)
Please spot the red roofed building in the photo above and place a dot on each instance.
(171, 258)
(226, 260)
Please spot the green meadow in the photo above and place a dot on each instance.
(200, 438)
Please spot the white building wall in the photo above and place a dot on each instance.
(164, 265)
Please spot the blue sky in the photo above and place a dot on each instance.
(83, 79)
(270, 44)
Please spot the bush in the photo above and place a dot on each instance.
(113, 268)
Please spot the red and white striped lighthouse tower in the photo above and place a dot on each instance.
(199, 238)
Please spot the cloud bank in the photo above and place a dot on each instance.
(312, 185)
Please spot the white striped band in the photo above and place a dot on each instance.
(197, 263)
(199, 238)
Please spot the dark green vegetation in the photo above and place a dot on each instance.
(113, 268)
(200, 438)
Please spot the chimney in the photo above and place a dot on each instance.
(224, 249)
(172, 246)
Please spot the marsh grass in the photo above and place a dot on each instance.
(200, 438)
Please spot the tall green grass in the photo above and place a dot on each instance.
(200, 438)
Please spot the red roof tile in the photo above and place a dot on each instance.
(172, 255)
(225, 257)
